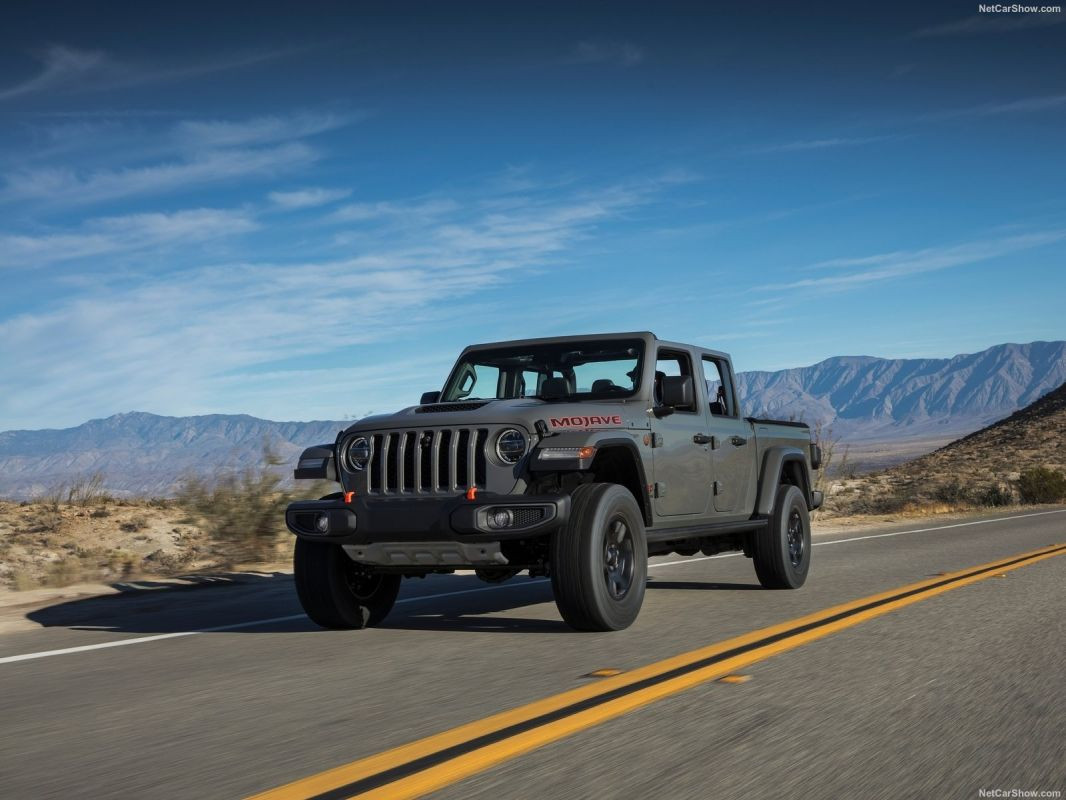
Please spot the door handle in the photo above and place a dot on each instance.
(699, 438)
(738, 441)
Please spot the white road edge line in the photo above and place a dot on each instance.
(142, 639)
(236, 626)
(943, 527)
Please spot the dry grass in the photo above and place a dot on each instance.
(79, 533)
(243, 513)
(45, 543)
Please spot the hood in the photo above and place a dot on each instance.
(586, 415)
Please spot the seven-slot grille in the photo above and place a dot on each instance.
(427, 461)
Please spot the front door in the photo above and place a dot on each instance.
(682, 465)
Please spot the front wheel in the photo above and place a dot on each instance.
(782, 550)
(336, 592)
(599, 560)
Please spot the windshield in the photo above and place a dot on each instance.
(600, 369)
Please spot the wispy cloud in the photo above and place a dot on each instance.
(188, 153)
(801, 145)
(862, 271)
(140, 342)
(311, 197)
(990, 23)
(60, 66)
(64, 186)
(617, 53)
(129, 233)
(64, 68)
(217, 134)
(1024, 105)
(412, 210)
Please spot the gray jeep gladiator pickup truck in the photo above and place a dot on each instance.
(572, 457)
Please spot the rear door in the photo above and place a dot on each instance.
(682, 465)
(733, 452)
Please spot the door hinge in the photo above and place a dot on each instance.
(656, 440)
(660, 489)
(717, 488)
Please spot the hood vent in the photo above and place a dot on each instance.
(437, 407)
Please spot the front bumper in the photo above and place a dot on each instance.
(448, 519)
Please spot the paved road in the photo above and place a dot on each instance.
(961, 691)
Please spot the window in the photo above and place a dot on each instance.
(719, 393)
(477, 382)
(593, 369)
(530, 383)
(672, 364)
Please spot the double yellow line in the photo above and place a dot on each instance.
(423, 766)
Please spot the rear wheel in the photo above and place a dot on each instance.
(336, 592)
(600, 559)
(782, 550)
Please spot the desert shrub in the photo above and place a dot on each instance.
(242, 512)
(834, 457)
(53, 500)
(64, 572)
(48, 519)
(1042, 485)
(882, 500)
(123, 561)
(160, 561)
(134, 524)
(994, 496)
(953, 493)
(887, 504)
(22, 579)
(98, 513)
(88, 491)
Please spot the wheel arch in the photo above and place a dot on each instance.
(782, 465)
(618, 461)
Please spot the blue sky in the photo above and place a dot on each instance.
(304, 211)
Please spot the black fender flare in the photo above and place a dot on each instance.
(601, 441)
(774, 462)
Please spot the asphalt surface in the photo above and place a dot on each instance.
(957, 693)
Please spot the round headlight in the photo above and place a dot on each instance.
(357, 456)
(511, 445)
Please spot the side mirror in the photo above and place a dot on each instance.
(677, 391)
(430, 397)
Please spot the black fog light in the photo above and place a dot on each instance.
(322, 523)
(500, 518)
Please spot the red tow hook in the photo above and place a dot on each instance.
(348, 497)
(471, 493)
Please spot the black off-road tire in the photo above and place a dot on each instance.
(782, 550)
(599, 559)
(338, 593)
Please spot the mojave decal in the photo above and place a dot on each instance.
(585, 422)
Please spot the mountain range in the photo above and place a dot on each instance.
(864, 399)
(878, 398)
